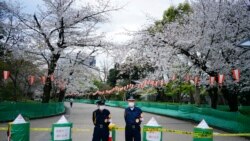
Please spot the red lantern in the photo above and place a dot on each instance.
(43, 79)
(187, 77)
(62, 85)
(221, 78)
(31, 79)
(196, 80)
(174, 77)
(211, 80)
(236, 75)
(52, 78)
(6, 75)
(162, 82)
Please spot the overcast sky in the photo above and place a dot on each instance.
(134, 16)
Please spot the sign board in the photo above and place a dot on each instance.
(61, 133)
(153, 136)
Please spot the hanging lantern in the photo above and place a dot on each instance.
(52, 78)
(211, 80)
(196, 80)
(221, 78)
(62, 85)
(43, 79)
(162, 82)
(236, 75)
(155, 84)
(6, 75)
(174, 77)
(31, 79)
(187, 78)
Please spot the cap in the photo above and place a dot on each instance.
(130, 98)
(100, 102)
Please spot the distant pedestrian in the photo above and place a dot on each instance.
(71, 102)
(101, 119)
(133, 118)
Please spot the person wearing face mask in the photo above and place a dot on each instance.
(101, 119)
(133, 118)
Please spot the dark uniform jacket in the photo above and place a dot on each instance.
(133, 117)
(101, 118)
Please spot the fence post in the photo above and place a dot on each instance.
(19, 130)
(61, 131)
(202, 132)
(152, 131)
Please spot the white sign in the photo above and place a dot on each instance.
(61, 133)
(153, 136)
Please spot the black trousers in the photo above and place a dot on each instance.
(100, 134)
(132, 133)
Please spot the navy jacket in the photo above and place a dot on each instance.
(133, 117)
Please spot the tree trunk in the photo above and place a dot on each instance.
(61, 95)
(191, 99)
(48, 86)
(232, 98)
(197, 95)
(46, 90)
(213, 93)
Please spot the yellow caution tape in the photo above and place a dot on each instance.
(80, 130)
(232, 135)
(196, 135)
(3, 128)
(119, 128)
(41, 129)
(48, 129)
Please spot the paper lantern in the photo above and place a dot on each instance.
(6, 75)
(174, 77)
(196, 80)
(187, 78)
(62, 85)
(162, 82)
(211, 80)
(31, 79)
(236, 75)
(221, 78)
(52, 78)
(43, 79)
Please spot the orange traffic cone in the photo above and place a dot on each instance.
(110, 136)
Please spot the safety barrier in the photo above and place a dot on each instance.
(164, 130)
(232, 121)
(10, 110)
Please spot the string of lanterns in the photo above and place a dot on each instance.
(153, 83)
(196, 79)
(31, 78)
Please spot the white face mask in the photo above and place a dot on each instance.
(131, 104)
(101, 107)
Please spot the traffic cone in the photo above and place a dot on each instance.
(110, 136)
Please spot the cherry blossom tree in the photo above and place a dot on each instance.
(63, 24)
(202, 42)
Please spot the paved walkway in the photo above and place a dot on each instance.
(81, 115)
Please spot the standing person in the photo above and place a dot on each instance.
(71, 102)
(133, 118)
(101, 119)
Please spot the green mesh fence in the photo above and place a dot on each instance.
(238, 122)
(10, 110)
